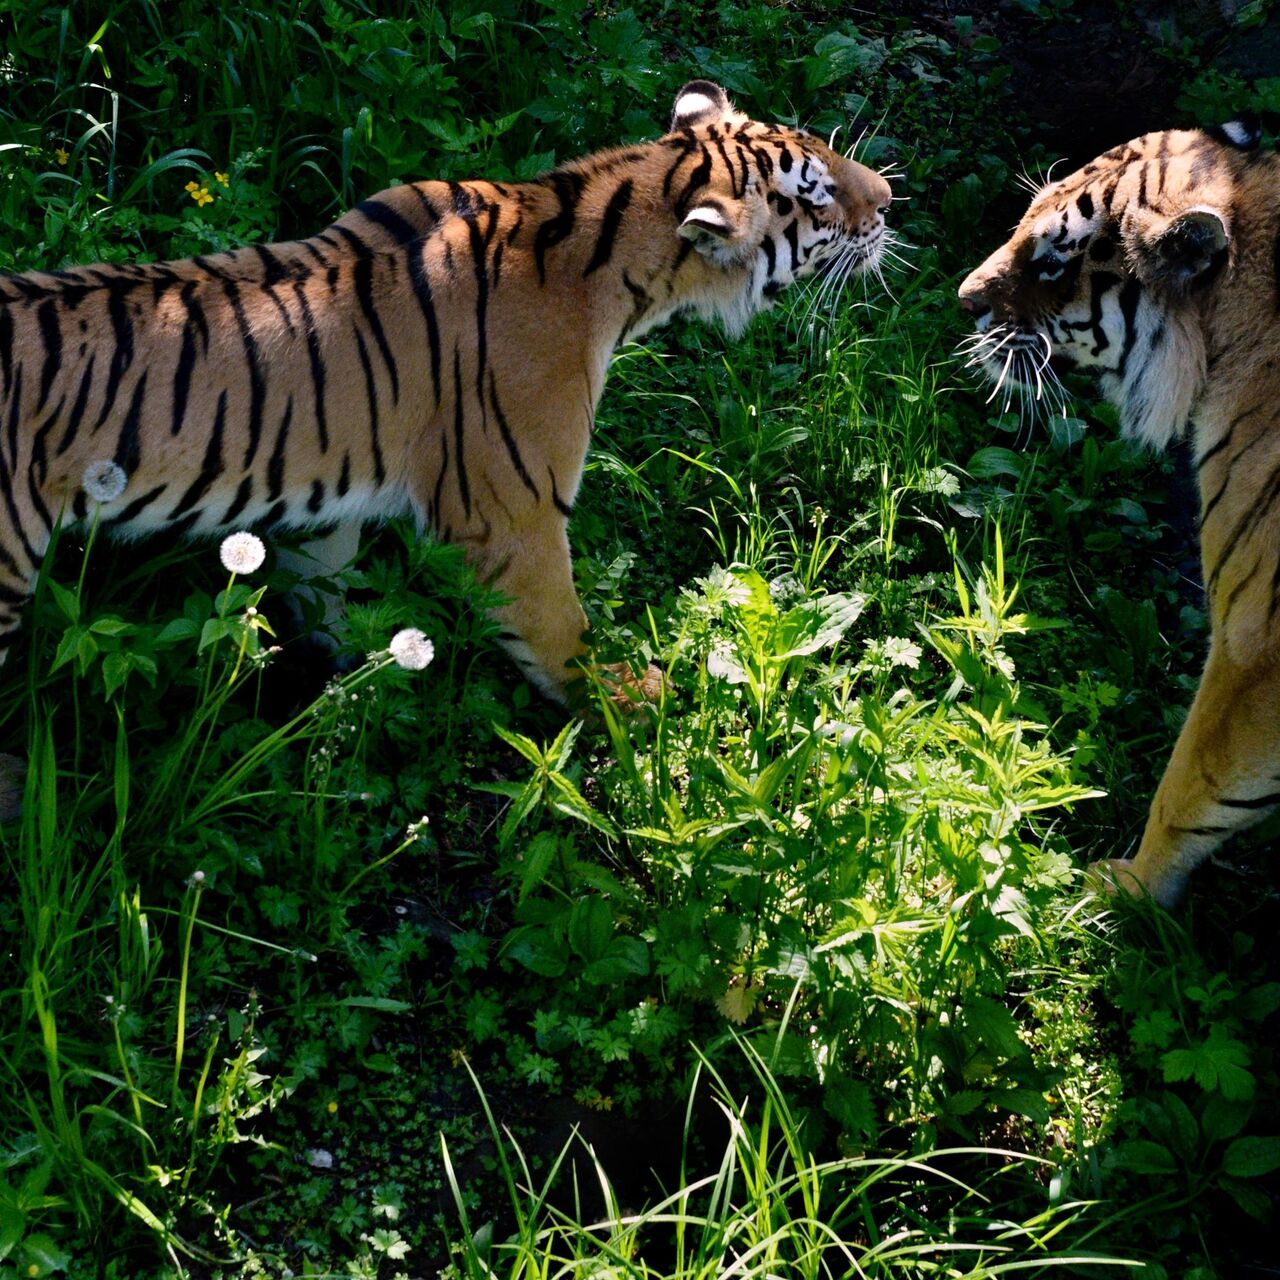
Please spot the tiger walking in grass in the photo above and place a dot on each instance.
(437, 352)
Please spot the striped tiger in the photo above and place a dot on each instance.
(1158, 265)
(437, 352)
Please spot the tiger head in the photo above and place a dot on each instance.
(761, 205)
(1112, 268)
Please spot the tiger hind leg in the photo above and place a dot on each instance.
(1223, 776)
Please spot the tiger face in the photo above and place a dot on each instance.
(1158, 265)
(1108, 270)
(765, 205)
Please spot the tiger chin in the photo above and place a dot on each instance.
(1158, 266)
(437, 352)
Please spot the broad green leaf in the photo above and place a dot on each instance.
(590, 927)
(1142, 1156)
(1252, 1157)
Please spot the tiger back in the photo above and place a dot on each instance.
(1157, 266)
(438, 352)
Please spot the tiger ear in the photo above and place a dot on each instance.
(711, 229)
(1182, 252)
(698, 102)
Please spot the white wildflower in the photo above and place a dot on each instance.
(721, 665)
(783, 590)
(418, 830)
(900, 652)
(104, 481)
(939, 480)
(411, 649)
(242, 552)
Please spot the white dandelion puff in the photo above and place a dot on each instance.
(411, 649)
(242, 552)
(104, 481)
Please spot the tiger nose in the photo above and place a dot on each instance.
(973, 295)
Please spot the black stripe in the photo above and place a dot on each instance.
(699, 178)
(612, 220)
(344, 478)
(360, 246)
(212, 467)
(362, 277)
(568, 189)
(122, 356)
(433, 508)
(1253, 802)
(187, 354)
(371, 390)
(389, 220)
(509, 440)
(241, 500)
(275, 514)
(478, 243)
(1257, 512)
(273, 270)
(15, 521)
(257, 384)
(136, 507)
(275, 465)
(51, 337)
(316, 500)
(318, 371)
(422, 291)
(792, 234)
(560, 505)
(463, 487)
(77, 409)
(128, 445)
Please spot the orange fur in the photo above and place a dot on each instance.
(439, 351)
(1157, 264)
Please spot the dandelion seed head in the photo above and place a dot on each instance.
(242, 552)
(411, 649)
(104, 481)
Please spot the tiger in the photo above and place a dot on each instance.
(437, 353)
(1157, 265)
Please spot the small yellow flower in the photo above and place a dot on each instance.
(193, 187)
(62, 155)
(199, 194)
(223, 178)
(331, 1107)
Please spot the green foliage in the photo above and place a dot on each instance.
(266, 926)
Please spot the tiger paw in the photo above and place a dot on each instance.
(13, 778)
(629, 691)
(1115, 876)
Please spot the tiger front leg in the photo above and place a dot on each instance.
(543, 625)
(1223, 777)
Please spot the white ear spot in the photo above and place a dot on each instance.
(1240, 134)
(699, 100)
(693, 105)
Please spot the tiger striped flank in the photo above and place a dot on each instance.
(437, 352)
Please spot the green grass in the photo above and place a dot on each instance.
(801, 949)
